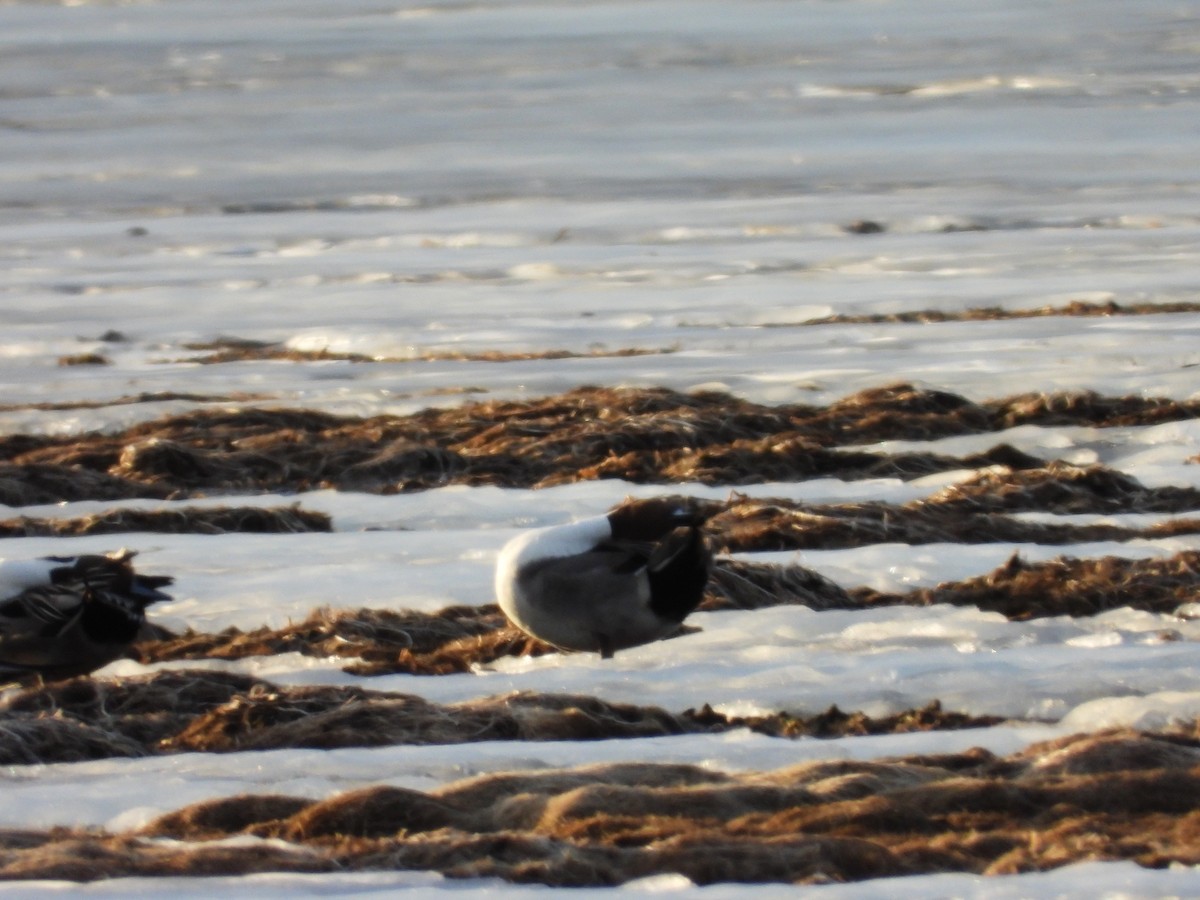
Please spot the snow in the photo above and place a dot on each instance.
(1102, 880)
(129, 793)
(386, 884)
(394, 179)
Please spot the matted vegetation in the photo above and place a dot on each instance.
(230, 350)
(219, 712)
(189, 520)
(642, 435)
(132, 399)
(1113, 795)
(1080, 308)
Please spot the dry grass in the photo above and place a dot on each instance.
(978, 511)
(130, 399)
(1076, 308)
(1069, 587)
(219, 712)
(84, 359)
(1114, 795)
(642, 435)
(192, 520)
(231, 350)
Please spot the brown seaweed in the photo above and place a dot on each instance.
(189, 520)
(1116, 795)
(642, 435)
(220, 712)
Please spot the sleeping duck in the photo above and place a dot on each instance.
(62, 616)
(606, 583)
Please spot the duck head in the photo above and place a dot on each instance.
(652, 519)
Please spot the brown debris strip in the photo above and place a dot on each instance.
(1114, 795)
(1063, 488)
(1067, 587)
(84, 359)
(237, 350)
(643, 435)
(36, 484)
(130, 399)
(741, 584)
(973, 512)
(192, 520)
(1018, 590)
(377, 641)
(834, 723)
(1077, 308)
(220, 712)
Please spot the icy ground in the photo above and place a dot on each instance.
(398, 180)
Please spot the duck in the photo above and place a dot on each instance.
(609, 582)
(63, 616)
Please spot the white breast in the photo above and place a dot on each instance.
(554, 542)
(17, 575)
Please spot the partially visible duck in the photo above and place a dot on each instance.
(609, 582)
(62, 616)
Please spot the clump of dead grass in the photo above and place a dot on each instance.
(978, 511)
(220, 712)
(1119, 795)
(649, 435)
(143, 397)
(37, 484)
(233, 350)
(84, 359)
(33, 740)
(1075, 308)
(397, 637)
(1018, 589)
(1067, 587)
(192, 520)
(1064, 489)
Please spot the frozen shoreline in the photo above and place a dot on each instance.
(398, 180)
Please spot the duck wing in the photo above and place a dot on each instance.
(45, 610)
(567, 582)
(40, 631)
(595, 601)
(675, 570)
(624, 557)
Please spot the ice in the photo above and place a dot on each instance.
(1105, 880)
(1152, 711)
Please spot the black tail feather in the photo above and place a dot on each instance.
(678, 571)
(145, 588)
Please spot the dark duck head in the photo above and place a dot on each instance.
(610, 582)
